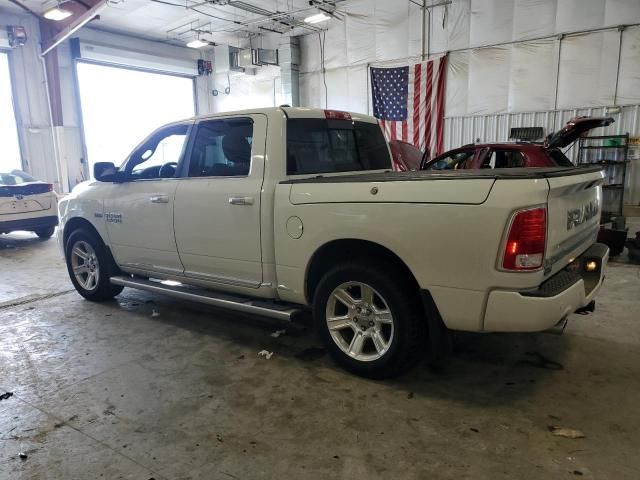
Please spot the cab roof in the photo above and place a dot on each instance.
(289, 112)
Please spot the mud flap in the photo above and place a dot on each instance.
(439, 338)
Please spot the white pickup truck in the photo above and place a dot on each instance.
(271, 211)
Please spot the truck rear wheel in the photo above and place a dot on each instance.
(90, 266)
(369, 319)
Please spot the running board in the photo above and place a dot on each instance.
(228, 302)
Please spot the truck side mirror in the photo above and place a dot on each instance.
(104, 171)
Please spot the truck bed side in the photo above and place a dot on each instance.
(447, 228)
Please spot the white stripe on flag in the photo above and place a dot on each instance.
(410, 90)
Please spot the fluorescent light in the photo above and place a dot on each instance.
(197, 43)
(317, 18)
(56, 14)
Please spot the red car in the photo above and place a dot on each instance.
(514, 155)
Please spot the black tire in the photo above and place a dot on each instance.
(103, 289)
(408, 341)
(45, 233)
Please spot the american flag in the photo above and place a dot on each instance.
(409, 103)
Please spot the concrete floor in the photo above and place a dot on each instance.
(110, 391)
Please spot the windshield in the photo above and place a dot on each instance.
(15, 177)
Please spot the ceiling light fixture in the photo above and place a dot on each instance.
(317, 18)
(57, 13)
(197, 43)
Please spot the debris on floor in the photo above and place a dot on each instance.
(266, 354)
(219, 438)
(581, 471)
(6, 395)
(565, 432)
(23, 456)
(155, 313)
(278, 333)
(540, 361)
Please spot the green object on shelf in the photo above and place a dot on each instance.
(612, 142)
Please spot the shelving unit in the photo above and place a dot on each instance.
(610, 151)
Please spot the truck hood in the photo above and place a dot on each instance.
(574, 128)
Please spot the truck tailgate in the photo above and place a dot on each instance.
(574, 206)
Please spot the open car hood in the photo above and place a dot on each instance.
(575, 128)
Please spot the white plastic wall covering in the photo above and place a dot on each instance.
(532, 75)
(621, 12)
(449, 26)
(588, 66)
(575, 15)
(457, 87)
(629, 76)
(491, 21)
(391, 29)
(533, 19)
(488, 88)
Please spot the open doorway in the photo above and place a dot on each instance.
(10, 158)
(120, 107)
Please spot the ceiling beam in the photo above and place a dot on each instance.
(74, 26)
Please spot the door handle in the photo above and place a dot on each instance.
(241, 200)
(159, 198)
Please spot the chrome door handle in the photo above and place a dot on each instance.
(241, 200)
(159, 199)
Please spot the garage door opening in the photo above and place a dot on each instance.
(9, 146)
(120, 107)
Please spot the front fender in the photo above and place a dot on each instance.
(86, 203)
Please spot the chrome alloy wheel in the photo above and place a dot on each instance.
(359, 321)
(84, 263)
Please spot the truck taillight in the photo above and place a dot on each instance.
(337, 115)
(526, 240)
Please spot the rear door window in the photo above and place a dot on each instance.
(222, 148)
(327, 146)
(503, 159)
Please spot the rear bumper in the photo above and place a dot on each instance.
(543, 307)
(28, 224)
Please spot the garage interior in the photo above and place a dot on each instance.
(149, 387)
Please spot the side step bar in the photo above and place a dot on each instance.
(229, 302)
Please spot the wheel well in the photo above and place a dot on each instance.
(338, 251)
(74, 224)
(78, 222)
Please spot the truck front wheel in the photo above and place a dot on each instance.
(89, 266)
(369, 319)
